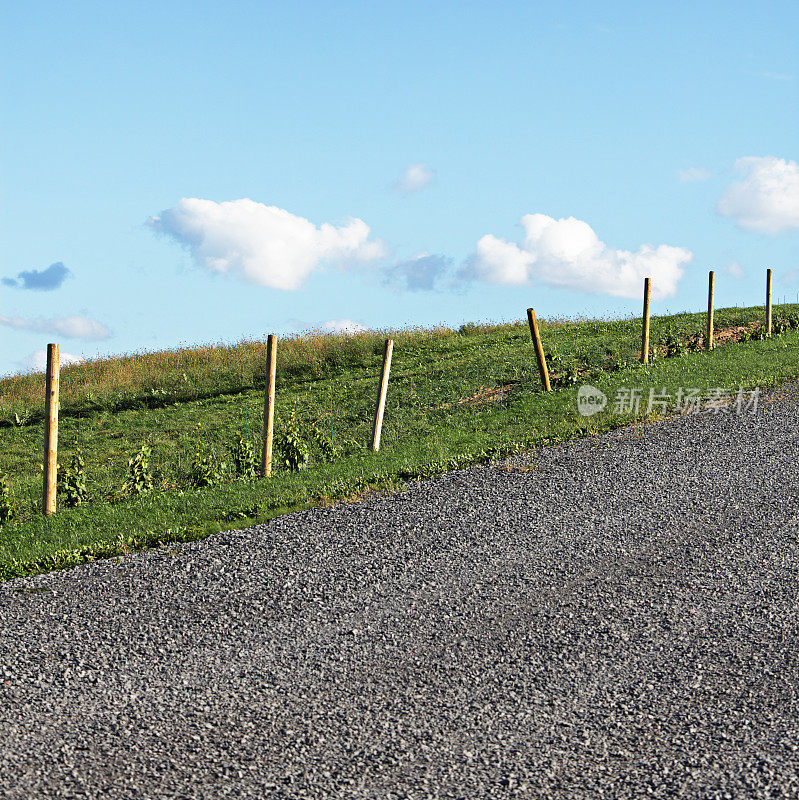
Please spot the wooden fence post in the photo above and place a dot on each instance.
(269, 406)
(768, 302)
(381, 395)
(645, 324)
(710, 283)
(51, 429)
(539, 350)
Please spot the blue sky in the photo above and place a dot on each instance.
(187, 173)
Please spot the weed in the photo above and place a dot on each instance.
(7, 507)
(554, 360)
(292, 449)
(568, 377)
(561, 373)
(20, 420)
(329, 450)
(694, 342)
(617, 363)
(206, 471)
(243, 456)
(673, 344)
(139, 478)
(72, 480)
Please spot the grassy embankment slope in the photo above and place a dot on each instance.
(455, 398)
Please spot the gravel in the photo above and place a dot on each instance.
(615, 617)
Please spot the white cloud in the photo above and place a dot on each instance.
(790, 276)
(420, 273)
(415, 177)
(264, 245)
(774, 76)
(343, 326)
(73, 327)
(767, 199)
(735, 269)
(693, 174)
(37, 360)
(566, 253)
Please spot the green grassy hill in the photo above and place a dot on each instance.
(456, 397)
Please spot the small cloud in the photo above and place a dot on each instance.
(790, 277)
(735, 270)
(415, 177)
(693, 174)
(342, 326)
(44, 280)
(566, 253)
(37, 360)
(767, 199)
(263, 245)
(773, 76)
(73, 327)
(418, 274)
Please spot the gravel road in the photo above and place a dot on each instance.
(612, 618)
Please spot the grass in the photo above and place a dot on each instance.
(456, 397)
